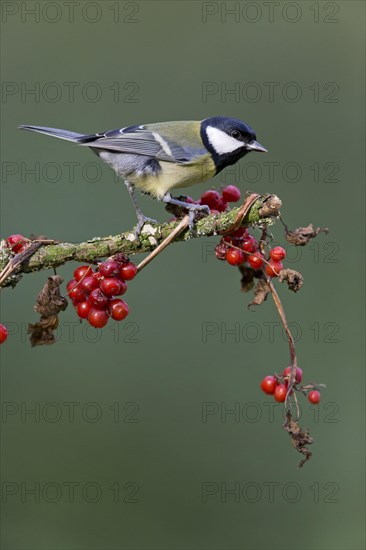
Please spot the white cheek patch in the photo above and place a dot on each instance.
(221, 142)
(163, 143)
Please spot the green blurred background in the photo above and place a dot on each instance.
(151, 449)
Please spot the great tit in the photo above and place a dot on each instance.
(159, 157)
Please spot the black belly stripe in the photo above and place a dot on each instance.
(152, 167)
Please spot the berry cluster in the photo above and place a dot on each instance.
(219, 203)
(241, 248)
(278, 386)
(3, 333)
(93, 293)
(17, 243)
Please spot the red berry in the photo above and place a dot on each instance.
(113, 287)
(75, 291)
(221, 206)
(118, 309)
(97, 276)
(189, 200)
(277, 253)
(128, 272)
(97, 299)
(214, 212)
(83, 309)
(298, 375)
(89, 284)
(109, 268)
(82, 272)
(240, 233)
(314, 397)
(280, 393)
(210, 198)
(3, 333)
(221, 250)
(269, 384)
(231, 193)
(273, 268)
(16, 242)
(121, 258)
(256, 260)
(98, 318)
(235, 256)
(70, 285)
(250, 244)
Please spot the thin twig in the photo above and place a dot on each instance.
(282, 315)
(290, 340)
(180, 227)
(20, 258)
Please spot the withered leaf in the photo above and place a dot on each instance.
(299, 438)
(261, 292)
(49, 300)
(293, 278)
(49, 303)
(302, 235)
(41, 333)
(247, 278)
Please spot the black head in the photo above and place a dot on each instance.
(228, 140)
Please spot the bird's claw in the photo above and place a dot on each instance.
(195, 210)
(141, 220)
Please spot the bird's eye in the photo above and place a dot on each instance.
(235, 134)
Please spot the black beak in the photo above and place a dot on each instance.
(255, 146)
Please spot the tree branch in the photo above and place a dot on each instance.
(262, 209)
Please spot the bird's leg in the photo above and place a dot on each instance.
(193, 209)
(141, 218)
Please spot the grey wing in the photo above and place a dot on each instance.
(137, 140)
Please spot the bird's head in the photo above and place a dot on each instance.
(228, 140)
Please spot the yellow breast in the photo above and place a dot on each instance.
(176, 175)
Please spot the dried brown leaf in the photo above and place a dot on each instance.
(49, 303)
(41, 333)
(261, 292)
(299, 438)
(293, 278)
(302, 235)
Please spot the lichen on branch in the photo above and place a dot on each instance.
(257, 209)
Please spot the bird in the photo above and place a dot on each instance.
(159, 157)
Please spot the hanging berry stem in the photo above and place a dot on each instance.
(290, 338)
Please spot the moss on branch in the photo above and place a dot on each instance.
(264, 208)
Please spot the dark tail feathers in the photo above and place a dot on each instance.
(57, 132)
